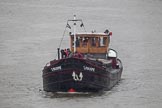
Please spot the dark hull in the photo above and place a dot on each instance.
(80, 74)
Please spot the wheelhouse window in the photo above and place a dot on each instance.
(85, 41)
(93, 41)
(102, 41)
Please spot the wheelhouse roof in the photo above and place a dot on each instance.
(90, 34)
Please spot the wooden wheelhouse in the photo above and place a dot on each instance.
(90, 43)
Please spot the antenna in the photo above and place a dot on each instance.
(74, 20)
(74, 33)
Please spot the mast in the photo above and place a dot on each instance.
(74, 33)
(74, 27)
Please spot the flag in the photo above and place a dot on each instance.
(68, 26)
(81, 25)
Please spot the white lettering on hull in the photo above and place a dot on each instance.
(56, 68)
(89, 68)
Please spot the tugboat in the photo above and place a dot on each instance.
(89, 65)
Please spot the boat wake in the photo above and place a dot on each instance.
(45, 94)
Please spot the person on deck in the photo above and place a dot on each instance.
(77, 42)
(66, 53)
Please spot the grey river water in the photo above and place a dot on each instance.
(30, 32)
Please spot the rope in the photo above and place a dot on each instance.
(61, 40)
(64, 35)
(84, 28)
